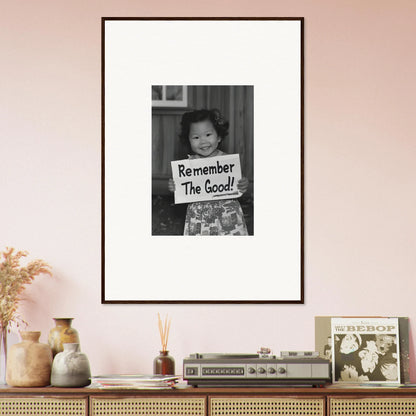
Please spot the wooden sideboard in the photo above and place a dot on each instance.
(327, 401)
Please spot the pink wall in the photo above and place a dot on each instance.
(359, 175)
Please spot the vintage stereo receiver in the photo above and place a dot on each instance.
(291, 368)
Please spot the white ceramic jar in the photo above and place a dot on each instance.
(70, 368)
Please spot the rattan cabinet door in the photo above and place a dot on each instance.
(153, 406)
(44, 406)
(276, 406)
(394, 406)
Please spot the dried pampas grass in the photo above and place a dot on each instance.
(13, 281)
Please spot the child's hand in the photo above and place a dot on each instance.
(171, 185)
(242, 185)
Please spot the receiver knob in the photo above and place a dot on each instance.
(281, 370)
(251, 370)
(261, 370)
(272, 370)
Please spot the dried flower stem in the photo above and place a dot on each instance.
(13, 281)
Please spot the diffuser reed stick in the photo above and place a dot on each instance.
(164, 331)
(164, 363)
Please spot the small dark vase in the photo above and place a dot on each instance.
(164, 364)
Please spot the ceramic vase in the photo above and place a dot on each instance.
(70, 368)
(164, 364)
(62, 333)
(29, 362)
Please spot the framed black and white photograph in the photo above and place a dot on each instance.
(210, 203)
(202, 160)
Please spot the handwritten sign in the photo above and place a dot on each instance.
(206, 179)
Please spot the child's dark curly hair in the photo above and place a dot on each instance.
(214, 116)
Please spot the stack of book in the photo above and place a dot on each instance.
(118, 381)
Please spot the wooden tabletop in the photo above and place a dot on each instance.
(188, 390)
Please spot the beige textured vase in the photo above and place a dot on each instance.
(29, 362)
(61, 334)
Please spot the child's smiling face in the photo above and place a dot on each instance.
(203, 138)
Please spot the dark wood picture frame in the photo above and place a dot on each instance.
(132, 259)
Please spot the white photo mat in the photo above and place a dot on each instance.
(265, 267)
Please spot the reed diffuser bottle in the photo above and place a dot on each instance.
(164, 364)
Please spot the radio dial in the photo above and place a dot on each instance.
(251, 370)
(281, 370)
(261, 370)
(272, 370)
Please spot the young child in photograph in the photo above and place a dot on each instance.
(203, 131)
